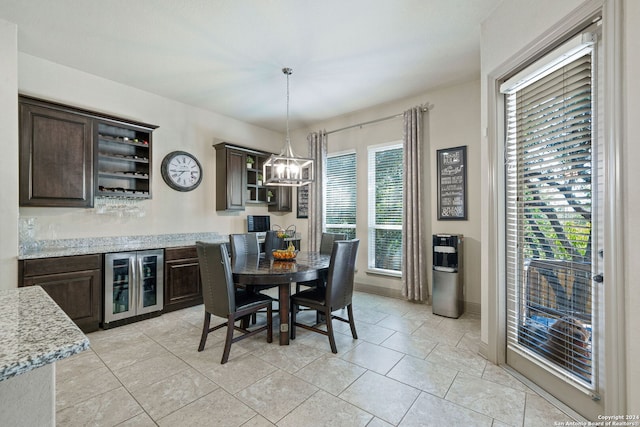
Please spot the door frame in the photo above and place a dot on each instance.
(614, 369)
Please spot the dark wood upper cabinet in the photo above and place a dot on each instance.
(231, 178)
(56, 157)
(123, 160)
(240, 184)
(68, 155)
(282, 200)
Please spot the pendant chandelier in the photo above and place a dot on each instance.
(286, 169)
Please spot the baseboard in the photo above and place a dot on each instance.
(483, 350)
(378, 290)
(472, 307)
(469, 307)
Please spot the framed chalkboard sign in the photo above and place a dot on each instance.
(452, 183)
(303, 202)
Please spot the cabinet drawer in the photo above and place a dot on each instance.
(42, 266)
(184, 252)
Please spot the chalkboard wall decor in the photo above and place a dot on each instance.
(303, 202)
(452, 183)
(303, 199)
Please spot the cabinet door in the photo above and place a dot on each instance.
(56, 157)
(231, 177)
(182, 279)
(77, 293)
(283, 202)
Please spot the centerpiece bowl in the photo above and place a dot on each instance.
(284, 254)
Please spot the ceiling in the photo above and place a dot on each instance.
(227, 55)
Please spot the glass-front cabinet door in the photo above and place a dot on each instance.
(150, 268)
(119, 284)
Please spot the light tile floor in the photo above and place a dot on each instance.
(408, 368)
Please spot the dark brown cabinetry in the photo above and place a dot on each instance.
(282, 200)
(74, 283)
(182, 278)
(68, 155)
(231, 178)
(56, 156)
(124, 160)
(240, 183)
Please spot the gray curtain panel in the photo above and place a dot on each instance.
(318, 152)
(414, 274)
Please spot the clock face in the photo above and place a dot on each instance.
(181, 171)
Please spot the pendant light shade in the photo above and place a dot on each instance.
(287, 169)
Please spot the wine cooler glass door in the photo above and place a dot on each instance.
(150, 267)
(120, 280)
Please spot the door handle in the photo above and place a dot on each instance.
(598, 278)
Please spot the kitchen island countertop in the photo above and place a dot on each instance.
(34, 331)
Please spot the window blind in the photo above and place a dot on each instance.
(340, 194)
(385, 207)
(548, 218)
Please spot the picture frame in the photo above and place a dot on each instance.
(303, 202)
(452, 183)
(302, 210)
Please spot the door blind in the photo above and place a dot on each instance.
(549, 219)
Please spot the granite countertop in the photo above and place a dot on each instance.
(99, 245)
(34, 331)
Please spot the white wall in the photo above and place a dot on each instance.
(9, 143)
(454, 121)
(512, 26)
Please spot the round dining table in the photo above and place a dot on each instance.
(261, 272)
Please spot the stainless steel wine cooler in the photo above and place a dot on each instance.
(133, 284)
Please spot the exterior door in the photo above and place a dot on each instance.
(553, 240)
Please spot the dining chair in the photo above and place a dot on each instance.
(244, 244)
(272, 242)
(223, 299)
(336, 295)
(326, 246)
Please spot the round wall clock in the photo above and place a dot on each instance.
(181, 171)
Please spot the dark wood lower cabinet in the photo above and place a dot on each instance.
(74, 283)
(182, 286)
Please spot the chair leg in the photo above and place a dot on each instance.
(351, 322)
(270, 324)
(294, 310)
(245, 322)
(227, 344)
(205, 330)
(332, 340)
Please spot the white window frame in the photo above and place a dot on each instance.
(372, 227)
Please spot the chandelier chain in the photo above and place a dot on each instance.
(287, 71)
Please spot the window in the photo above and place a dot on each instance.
(340, 194)
(385, 207)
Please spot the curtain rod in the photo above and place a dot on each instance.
(424, 107)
